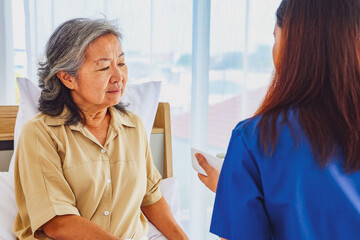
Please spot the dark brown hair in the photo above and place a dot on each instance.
(318, 74)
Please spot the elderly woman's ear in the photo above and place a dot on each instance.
(66, 79)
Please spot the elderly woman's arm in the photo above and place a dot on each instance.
(165, 221)
(75, 227)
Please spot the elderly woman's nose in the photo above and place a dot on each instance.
(117, 74)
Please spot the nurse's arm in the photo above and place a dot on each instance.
(160, 215)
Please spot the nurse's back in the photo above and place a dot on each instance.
(302, 199)
(293, 171)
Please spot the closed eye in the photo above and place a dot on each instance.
(104, 69)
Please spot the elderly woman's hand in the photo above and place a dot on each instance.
(212, 178)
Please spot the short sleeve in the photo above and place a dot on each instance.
(239, 211)
(42, 191)
(153, 193)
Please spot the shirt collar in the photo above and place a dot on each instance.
(119, 117)
(57, 120)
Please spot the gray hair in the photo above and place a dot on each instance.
(65, 51)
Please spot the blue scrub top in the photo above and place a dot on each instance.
(286, 195)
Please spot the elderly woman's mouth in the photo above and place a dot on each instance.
(114, 91)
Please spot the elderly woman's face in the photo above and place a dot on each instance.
(102, 78)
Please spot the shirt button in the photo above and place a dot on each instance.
(108, 180)
(106, 213)
(103, 150)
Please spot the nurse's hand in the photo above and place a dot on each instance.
(212, 178)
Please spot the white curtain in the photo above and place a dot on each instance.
(213, 58)
(7, 76)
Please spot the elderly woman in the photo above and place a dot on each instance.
(83, 165)
(293, 170)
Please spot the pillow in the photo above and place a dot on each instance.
(142, 99)
(168, 187)
(8, 209)
(29, 97)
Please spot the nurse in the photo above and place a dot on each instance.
(292, 170)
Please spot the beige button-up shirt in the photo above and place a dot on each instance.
(62, 169)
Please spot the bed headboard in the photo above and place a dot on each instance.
(160, 139)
